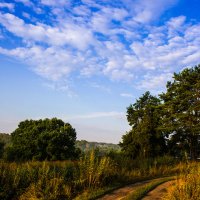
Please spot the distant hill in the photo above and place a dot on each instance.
(82, 144)
(103, 147)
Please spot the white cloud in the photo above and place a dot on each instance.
(26, 2)
(51, 63)
(55, 2)
(61, 86)
(82, 10)
(149, 10)
(100, 87)
(1, 35)
(109, 41)
(10, 6)
(70, 34)
(112, 114)
(155, 82)
(17, 26)
(126, 95)
(121, 75)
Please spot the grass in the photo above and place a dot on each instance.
(54, 180)
(187, 185)
(88, 178)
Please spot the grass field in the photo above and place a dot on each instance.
(87, 178)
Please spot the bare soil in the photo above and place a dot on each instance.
(159, 192)
(123, 192)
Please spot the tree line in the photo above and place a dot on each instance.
(165, 124)
(169, 123)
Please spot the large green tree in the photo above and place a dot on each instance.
(182, 110)
(144, 139)
(48, 139)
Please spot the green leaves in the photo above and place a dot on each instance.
(144, 139)
(182, 109)
(48, 139)
(174, 119)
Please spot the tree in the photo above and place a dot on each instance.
(2, 144)
(144, 139)
(182, 110)
(48, 139)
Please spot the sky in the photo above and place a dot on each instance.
(86, 61)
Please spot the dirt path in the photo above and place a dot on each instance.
(159, 191)
(123, 192)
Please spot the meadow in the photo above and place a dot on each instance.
(87, 178)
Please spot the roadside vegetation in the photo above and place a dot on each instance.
(187, 185)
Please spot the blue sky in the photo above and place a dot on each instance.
(86, 61)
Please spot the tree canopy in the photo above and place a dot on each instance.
(181, 105)
(171, 122)
(144, 139)
(48, 139)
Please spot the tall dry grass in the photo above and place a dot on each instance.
(187, 185)
(35, 180)
(67, 180)
(54, 180)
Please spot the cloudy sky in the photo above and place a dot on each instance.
(85, 61)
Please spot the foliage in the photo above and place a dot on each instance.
(2, 144)
(181, 108)
(48, 139)
(144, 139)
(169, 124)
(5, 138)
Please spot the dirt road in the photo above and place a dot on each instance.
(159, 191)
(123, 192)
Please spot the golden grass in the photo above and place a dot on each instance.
(67, 179)
(187, 186)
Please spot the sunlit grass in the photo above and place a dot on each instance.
(187, 185)
(89, 177)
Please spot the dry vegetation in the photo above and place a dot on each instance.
(187, 185)
(89, 177)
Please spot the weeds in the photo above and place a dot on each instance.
(187, 185)
(90, 176)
